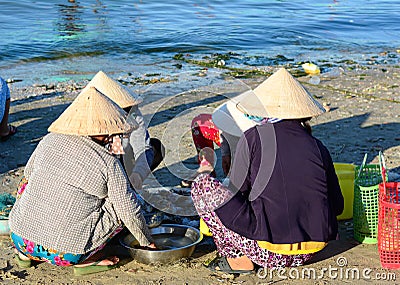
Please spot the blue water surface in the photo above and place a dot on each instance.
(65, 38)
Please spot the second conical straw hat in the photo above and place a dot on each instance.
(114, 90)
(230, 120)
(92, 113)
(280, 96)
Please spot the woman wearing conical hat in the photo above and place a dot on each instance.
(142, 153)
(78, 195)
(223, 127)
(283, 198)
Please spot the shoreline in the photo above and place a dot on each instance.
(80, 68)
(364, 118)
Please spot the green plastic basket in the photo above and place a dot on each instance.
(366, 203)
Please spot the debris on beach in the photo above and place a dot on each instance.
(311, 68)
(221, 61)
(315, 80)
(13, 80)
(147, 79)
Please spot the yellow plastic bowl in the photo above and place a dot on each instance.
(311, 68)
(346, 173)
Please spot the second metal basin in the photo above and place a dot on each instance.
(173, 242)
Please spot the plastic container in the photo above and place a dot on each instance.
(315, 80)
(366, 203)
(311, 68)
(332, 72)
(204, 228)
(345, 173)
(389, 225)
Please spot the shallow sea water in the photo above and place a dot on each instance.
(55, 41)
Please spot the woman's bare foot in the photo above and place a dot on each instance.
(240, 263)
(10, 131)
(112, 260)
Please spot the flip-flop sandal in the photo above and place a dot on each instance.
(11, 131)
(22, 263)
(93, 268)
(186, 183)
(220, 264)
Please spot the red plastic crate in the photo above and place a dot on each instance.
(389, 225)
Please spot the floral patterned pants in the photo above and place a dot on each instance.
(208, 193)
(38, 252)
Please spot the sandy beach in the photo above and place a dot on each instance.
(364, 117)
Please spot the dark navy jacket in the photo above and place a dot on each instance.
(287, 188)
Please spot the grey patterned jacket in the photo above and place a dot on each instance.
(77, 195)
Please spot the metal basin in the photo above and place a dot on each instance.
(173, 242)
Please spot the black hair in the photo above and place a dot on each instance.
(305, 122)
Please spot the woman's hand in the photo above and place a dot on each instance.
(151, 246)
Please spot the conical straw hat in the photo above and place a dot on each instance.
(113, 90)
(92, 113)
(230, 120)
(280, 96)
